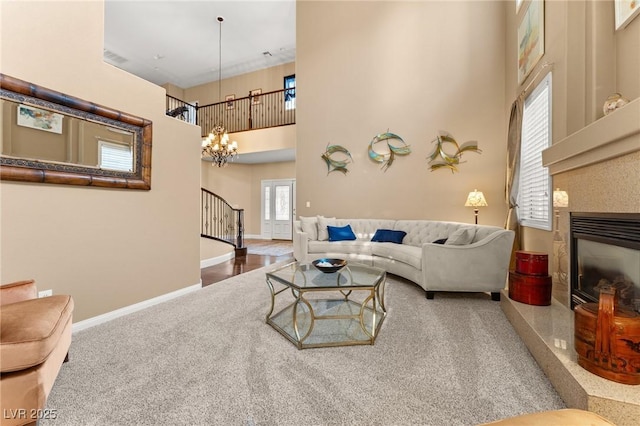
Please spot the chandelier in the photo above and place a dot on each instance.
(217, 145)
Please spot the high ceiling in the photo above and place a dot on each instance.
(177, 41)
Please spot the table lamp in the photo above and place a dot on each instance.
(476, 199)
(560, 200)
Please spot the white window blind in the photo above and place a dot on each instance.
(115, 156)
(534, 204)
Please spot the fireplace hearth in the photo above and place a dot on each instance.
(605, 250)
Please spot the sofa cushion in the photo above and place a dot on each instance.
(366, 228)
(420, 232)
(341, 233)
(309, 226)
(323, 222)
(388, 236)
(31, 329)
(346, 247)
(410, 255)
(462, 236)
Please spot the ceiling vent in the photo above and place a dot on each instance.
(111, 57)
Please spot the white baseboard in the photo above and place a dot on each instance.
(255, 237)
(91, 322)
(216, 260)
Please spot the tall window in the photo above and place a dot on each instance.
(267, 203)
(290, 92)
(534, 201)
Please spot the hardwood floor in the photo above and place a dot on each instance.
(239, 265)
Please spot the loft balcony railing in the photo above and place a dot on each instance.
(221, 222)
(272, 109)
(181, 110)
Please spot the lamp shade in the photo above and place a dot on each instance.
(476, 199)
(560, 198)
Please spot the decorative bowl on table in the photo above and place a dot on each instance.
(329, 265)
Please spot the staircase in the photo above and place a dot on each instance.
(221, 222)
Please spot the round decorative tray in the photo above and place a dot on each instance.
(329, 265)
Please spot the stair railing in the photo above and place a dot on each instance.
(221, 222)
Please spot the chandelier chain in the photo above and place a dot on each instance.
(217, 145)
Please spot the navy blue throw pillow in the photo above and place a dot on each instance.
(388, 236)
(440, 241)
(341, 233)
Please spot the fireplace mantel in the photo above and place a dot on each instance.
(611, 136)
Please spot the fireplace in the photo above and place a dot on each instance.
(605, 249)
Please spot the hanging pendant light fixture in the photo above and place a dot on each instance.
(217, 145)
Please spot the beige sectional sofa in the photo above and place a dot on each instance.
(474, 258)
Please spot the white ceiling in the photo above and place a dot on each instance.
(177, 41)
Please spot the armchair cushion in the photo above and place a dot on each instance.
(18, 291)
(30, 330)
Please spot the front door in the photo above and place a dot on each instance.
(278, 209)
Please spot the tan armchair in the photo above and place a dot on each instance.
(35, 335)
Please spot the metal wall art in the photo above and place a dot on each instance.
(440, 157)
(397, 148)
(337, 165)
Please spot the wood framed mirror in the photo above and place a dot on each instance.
(50, 137)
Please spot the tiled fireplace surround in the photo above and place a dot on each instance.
(599, 167)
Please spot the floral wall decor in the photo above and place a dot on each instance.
(398, 147)
(450, 156)
(339, 165)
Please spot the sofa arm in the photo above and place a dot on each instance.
(18, 291)
(481, 266)
(300, 245)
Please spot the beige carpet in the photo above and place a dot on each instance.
(208, 358)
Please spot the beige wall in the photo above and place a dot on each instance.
(211, 249)
(413, 68)
(173, 90)
(590, 61)
(268, 79)
(108, 248)
(269, 139)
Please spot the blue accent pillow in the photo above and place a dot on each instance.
(340, 233)
(388, 236)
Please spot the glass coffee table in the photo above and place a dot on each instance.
(315, 309)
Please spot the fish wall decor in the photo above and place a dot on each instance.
(443, 158)
(340, 164)
(396, 148)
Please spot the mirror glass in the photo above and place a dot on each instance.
(50, 137)
(40, 134)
